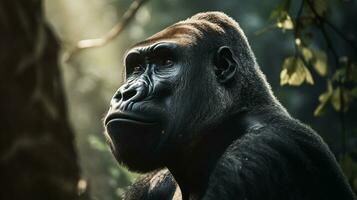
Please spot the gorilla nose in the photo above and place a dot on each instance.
(128, 94)
(123, 96)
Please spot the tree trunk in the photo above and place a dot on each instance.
(37, 153)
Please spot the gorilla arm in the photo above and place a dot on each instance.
(278, 163)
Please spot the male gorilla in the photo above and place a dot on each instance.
(197, 112)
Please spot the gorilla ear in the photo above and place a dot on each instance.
(225, 64)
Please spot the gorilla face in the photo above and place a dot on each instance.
(141, 109)
(172, 91)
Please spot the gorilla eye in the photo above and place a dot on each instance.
(134, 70)
(162, 56)
(162, 62)
(138, 68)
(168, 62)
(133, 63)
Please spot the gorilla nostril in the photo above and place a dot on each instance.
(128, 94)
(117, 97)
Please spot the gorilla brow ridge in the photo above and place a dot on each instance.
(181, 32)
(194, 28)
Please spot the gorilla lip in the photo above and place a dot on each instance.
(127, 117)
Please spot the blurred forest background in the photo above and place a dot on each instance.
(54, 94)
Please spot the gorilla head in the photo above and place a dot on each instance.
(181, 82)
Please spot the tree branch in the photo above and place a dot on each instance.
(112, 34)
(297, 28)
(339, 32)
(321, 26)
(323, 20)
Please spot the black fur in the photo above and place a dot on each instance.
(201, 110)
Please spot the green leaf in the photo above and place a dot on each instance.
(307, 54)
(324, 99)
(285, 22)
(346, 72)
(320, 62)
(288, 70)
(284, 77)
(298, 76)
(308, 76)
(295, 72)
(336, 99)
(318, 59)
(320, 110)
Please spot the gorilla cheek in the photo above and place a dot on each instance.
(134, 143)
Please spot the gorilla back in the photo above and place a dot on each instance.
(196, 108)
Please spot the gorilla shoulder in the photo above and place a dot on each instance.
(280, 158)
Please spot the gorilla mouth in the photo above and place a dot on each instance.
(126, 129)
(132, 137)
(129, 118)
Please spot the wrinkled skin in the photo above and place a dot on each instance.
(197, 110)
(140, 109)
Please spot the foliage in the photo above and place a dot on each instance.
(340, 72)
(313, 14)
(295, 72)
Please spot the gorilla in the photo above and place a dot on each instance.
(197, 114)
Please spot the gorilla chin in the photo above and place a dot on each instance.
(134, 139)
